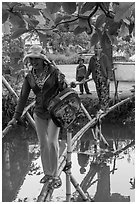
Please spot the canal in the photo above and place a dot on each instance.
(109, 181)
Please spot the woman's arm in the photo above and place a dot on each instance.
(89, 67)
(108, 67)
(25, 90)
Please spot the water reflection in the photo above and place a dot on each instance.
(104, 178)
(83, 159)
(17, 155)
(98, 181)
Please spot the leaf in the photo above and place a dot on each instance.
(78, 30)
(100, 20)
(113, 28)
(19, 32)
(113, 39)
(29, 22)
(6, 27)
(53, 7)
(43, 38)
(69, 7)
(13, 4)
(16, 19)
(106, 5)
(28, 10)
(94, 39)
(105, 41)
(98, 31)
(50, 18)
(60, 18)
(124, 31)
(5, 15)
(34, 22)
(83, 23)
(88, 6)
(5, 5)
(124, 10)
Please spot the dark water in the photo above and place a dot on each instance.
(105, 182)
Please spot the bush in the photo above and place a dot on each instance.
(65, 59)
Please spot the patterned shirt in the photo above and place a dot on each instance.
(40, 80)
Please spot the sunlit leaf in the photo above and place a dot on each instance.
(6, 27)
(94, 39)
(124, 31)
(40, 5)
(53, 7)
(69, 7)
(50, 18)
(5, 15)
(88, 6)
(19, 32)
(124, 10)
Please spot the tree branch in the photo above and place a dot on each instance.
(92, 13)
(106, 12)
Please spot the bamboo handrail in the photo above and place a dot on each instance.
(81, 82)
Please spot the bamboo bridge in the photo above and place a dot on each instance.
(65, 157)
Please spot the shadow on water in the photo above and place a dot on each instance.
(104, 179)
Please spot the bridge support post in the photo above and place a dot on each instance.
(68, 162)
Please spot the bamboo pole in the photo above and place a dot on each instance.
(116, 106)
(124, 148)
(68, 172)
(78, 188)
(29, 118)
(10, 89)
(28, 107)
(95, 136)
(82, 82)
(6, 130)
